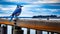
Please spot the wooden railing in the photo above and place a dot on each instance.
(47, 25)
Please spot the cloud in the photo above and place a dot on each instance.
(39, 1)
(10, 9)
(4, 14)
(37, 10)
(18, 0)
(6, 10)
(29, 1)
(26, 12)
(44, 11)
(46, 1)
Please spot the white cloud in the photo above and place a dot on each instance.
(37, 11)
(12, 8)
(8, 7)
(45, 1)
(7, 10)
(11, 0)
(18, 1)
(4, 14)
(34, 1)
(55, 10)
(26, 13)
(43, 11)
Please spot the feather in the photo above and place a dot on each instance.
(16, 12)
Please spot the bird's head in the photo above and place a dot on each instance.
(19, 6)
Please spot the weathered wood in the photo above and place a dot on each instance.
(38, 32)
(48, 25)
(4, 21)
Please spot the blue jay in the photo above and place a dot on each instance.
(17, 12)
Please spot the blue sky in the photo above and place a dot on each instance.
(30, 7)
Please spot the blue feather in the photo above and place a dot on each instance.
(11, 18)
(16, 13)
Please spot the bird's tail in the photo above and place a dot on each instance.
(11, 18)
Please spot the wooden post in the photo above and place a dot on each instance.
(17, 29)
(38, 32)
(4, 29)
(0, 25)
(47, 32)
(58, 33)
(28, 31)
(52, 32)
(12, 29)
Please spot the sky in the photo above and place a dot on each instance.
(30, 7)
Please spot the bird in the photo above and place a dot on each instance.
(17, 12)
